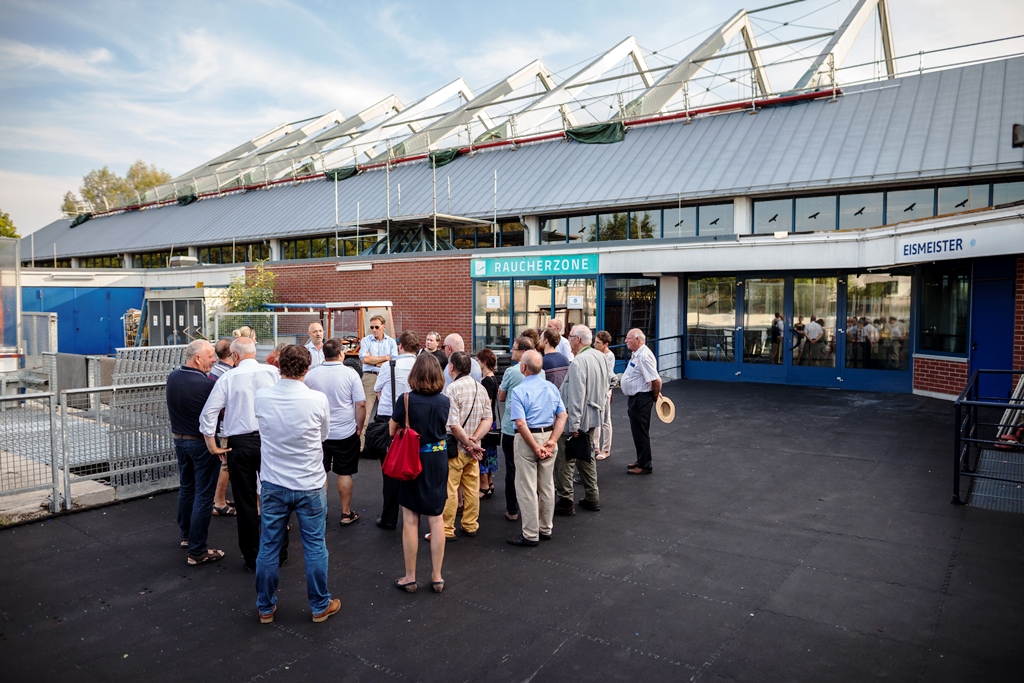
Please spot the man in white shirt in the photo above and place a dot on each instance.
(642, 386)
(408, 347)
(234, 393)
(315, 345)
(375, 350)
(344, 391)
(814, 333)
(452, 344)
(564, 347)
(293, 420)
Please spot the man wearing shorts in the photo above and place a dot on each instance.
(344, 390)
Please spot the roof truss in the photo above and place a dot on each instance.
(838, 48)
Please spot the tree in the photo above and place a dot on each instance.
(249, 293)
(104, 189)
(7, 228)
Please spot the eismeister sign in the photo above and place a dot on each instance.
(535, 266)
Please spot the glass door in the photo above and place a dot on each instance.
(711, 328)
(762, 329)
(815, 339)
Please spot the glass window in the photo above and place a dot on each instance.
(1007, 193)
(582, 228)
(945, 308)
(763, 301)
(711, 319)
(532, 301)
(815, 214)
(680, 222)
(629, 303)
(576, 302)
(484, 237)
(714, 219)
(877, 304)
(464, 238)
(906, 205)
(318, 247)
(613, 226)
(553, 230)
(153, 259)
(814, 298)
(644, 225)
(491, 319)
(775, 215)
(962, 198)
(860, 210)
(513, 234)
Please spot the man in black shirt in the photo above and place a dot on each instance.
(187, 390)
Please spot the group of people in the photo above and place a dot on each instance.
(276, 431)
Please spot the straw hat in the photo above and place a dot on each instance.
(666, 409)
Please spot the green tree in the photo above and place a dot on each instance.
(104, 189)
(249, 293)
(7, 228)
(618, 225)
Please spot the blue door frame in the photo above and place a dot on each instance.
(736, 370)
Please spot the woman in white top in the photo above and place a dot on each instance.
(603, 434)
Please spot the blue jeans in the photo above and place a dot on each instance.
(198, 470)
(310, 507)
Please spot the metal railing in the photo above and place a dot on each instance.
(979, 423)
(86, 446)
(668, 351)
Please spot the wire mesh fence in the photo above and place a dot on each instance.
(39, 336)
(28, 445)
(270, 328)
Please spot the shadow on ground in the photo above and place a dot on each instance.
(786, 534)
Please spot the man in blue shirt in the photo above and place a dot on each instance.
(187, 390)
(375, 349)
(539, 416)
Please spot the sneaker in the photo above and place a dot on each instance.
(333, 608)
(268, 618)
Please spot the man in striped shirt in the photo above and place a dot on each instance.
(642, 386)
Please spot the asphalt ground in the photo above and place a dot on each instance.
(786, 534)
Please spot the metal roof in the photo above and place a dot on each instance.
(923, 128)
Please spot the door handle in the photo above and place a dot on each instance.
(974, 346)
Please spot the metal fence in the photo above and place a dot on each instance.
(29, 448)
(39, 336)
(271, 327)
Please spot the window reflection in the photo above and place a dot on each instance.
(962, 198)
(763, 301)
(815, 213)
(813, 341)
(644, 225)
(903, 205)
(491, 320)
(513, 234)
(532, 303)
(613, 226)
(553, 230)
(945, 306)
(878, 321)
(860, 210)
(680, 222)
(775, 215)
(711, 319)
(629, 303)
(1006, 193)
(576, 302)
(582, 229)
(714, 219)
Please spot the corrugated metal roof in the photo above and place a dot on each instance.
(952, 123)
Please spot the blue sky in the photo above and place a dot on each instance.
(87, 84)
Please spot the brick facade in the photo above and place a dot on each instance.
(945, 377)
(428, 293)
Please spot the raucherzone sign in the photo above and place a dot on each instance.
(534, 266)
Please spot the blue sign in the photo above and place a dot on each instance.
(535, 266)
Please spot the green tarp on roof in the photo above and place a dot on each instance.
(443, 157)
(187, 199)
(80, 218)
(344, 173)
(599, 133)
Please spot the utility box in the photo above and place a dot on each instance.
(178, 316)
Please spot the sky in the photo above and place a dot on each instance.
(87, 84)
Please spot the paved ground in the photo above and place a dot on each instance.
(786, 534)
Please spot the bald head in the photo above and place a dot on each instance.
(531, 363)
(453, 342)
(244, 347)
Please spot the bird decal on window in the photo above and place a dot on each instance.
(714, 222)
(772, 219)
(814, 215)
(860, 211)
(962, 204)
(910, 208)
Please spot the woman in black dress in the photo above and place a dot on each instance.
(427, 493)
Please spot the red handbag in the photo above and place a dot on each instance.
(403, 459)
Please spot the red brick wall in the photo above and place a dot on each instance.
(1018, 320)
(940, 376)
(427, 293)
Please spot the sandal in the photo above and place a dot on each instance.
(349, 517)
(490, 492)
(211, 555)
(226, 511)
(438, 586)
(406, 587)
(184, 543)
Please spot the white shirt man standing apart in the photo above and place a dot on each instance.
(315, 345)
(642, 386)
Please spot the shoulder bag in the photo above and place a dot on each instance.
(403, 458)
(492, 439)
(378, 432)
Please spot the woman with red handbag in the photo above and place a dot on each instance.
(427, 493)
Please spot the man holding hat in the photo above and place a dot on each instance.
(642, 386)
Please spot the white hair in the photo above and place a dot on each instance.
(194, 347)
(244, 346)
(584, 334)
(455, 342)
